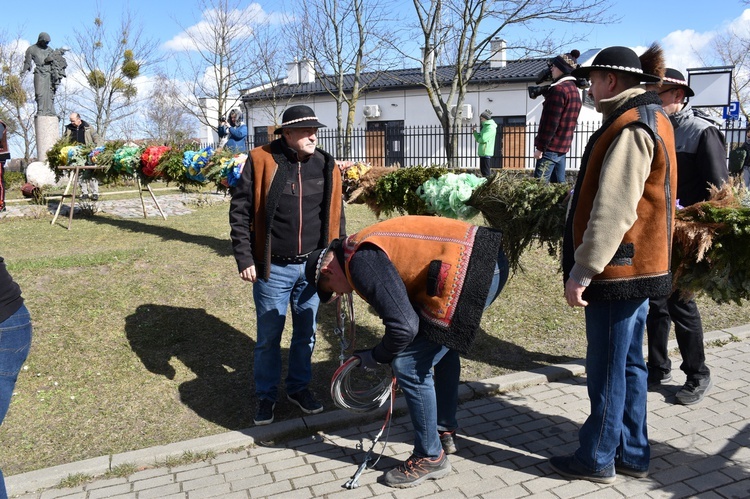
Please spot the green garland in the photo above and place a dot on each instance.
(397, 191)
(712, 246)
(525, 209)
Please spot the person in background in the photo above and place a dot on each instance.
(80, 132)
(485, 138)
(287, 202)
(235, 132)
(4, 156)
(429, 279)
(701, 163)
(560, 110)
(616, 255)
(15, 342)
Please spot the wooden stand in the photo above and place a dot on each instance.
(73, 180)
(143, 204)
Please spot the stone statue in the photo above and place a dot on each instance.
(49, 70)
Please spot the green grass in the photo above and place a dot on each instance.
(143, 334)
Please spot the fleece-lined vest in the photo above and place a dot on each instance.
(269, 180)
(447, 268)
(640, 267)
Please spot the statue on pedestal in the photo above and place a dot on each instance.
(49, 70)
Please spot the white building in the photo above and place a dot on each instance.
(394, 102)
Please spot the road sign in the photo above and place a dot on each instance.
(732, 111)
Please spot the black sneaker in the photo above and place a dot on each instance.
(623, 469)
(448, 441)
(305, 401)
(95, 197)
(569, 467)
(264, 415)
(83, 196)
(658, 378)
(416, 470)
(693, 391)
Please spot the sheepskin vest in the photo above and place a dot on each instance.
(447, 267)
(640, 267)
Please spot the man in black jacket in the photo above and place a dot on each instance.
(287, 202)
(701, 163)
(80, 132)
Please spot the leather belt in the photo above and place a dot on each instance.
(289, 259)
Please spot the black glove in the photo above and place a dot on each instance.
(366, 360)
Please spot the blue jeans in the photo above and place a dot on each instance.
(551, 167)
(428, 374)
(616, 379)
(15, 341)
(286, 287)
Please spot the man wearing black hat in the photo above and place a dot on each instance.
(701, 163)
(429, 279)
(616, 254)
(562, 105)
(287, 202)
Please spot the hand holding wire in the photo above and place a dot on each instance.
(366, 360)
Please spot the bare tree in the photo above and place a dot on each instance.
(166, 119)
(732, 48)
(272, 54)
(342, 38)
(16, 97)
(109, 58)
(220, 57)
(460, 32)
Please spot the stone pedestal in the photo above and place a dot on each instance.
(47, 133)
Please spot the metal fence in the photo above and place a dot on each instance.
(398, 145)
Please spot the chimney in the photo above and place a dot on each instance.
(306, 71)
(429, 61)
(497, 57)
(292, 70)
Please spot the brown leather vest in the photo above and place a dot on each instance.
(645, 252)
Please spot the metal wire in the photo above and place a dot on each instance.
(357, 390)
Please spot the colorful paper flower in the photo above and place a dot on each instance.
(150, 160)
(72, 156)
(195, 161)
(127, 159)
(447, 194)
(232, 169)
(94, 153)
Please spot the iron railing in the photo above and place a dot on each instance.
(399, 145)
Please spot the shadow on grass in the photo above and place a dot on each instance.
(222, 247)
(500, 353)
(218, 354)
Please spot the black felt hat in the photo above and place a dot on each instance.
(312, 266)
(620, 59)
(674, 78)
(299, 117)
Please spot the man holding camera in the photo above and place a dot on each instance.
(562, 104)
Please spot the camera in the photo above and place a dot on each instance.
(544, 75)
(222, 119)
(537, 90)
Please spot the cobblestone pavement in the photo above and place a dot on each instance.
(510, 427)
(170, 204)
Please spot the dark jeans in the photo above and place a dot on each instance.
(485, 165)
(688, 330)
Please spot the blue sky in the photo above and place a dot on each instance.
(685, 22)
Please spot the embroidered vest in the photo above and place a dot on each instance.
(447, 267)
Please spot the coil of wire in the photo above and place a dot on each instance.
(360, 390)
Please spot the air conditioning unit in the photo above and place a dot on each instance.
(371, 111)
(465, 113)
